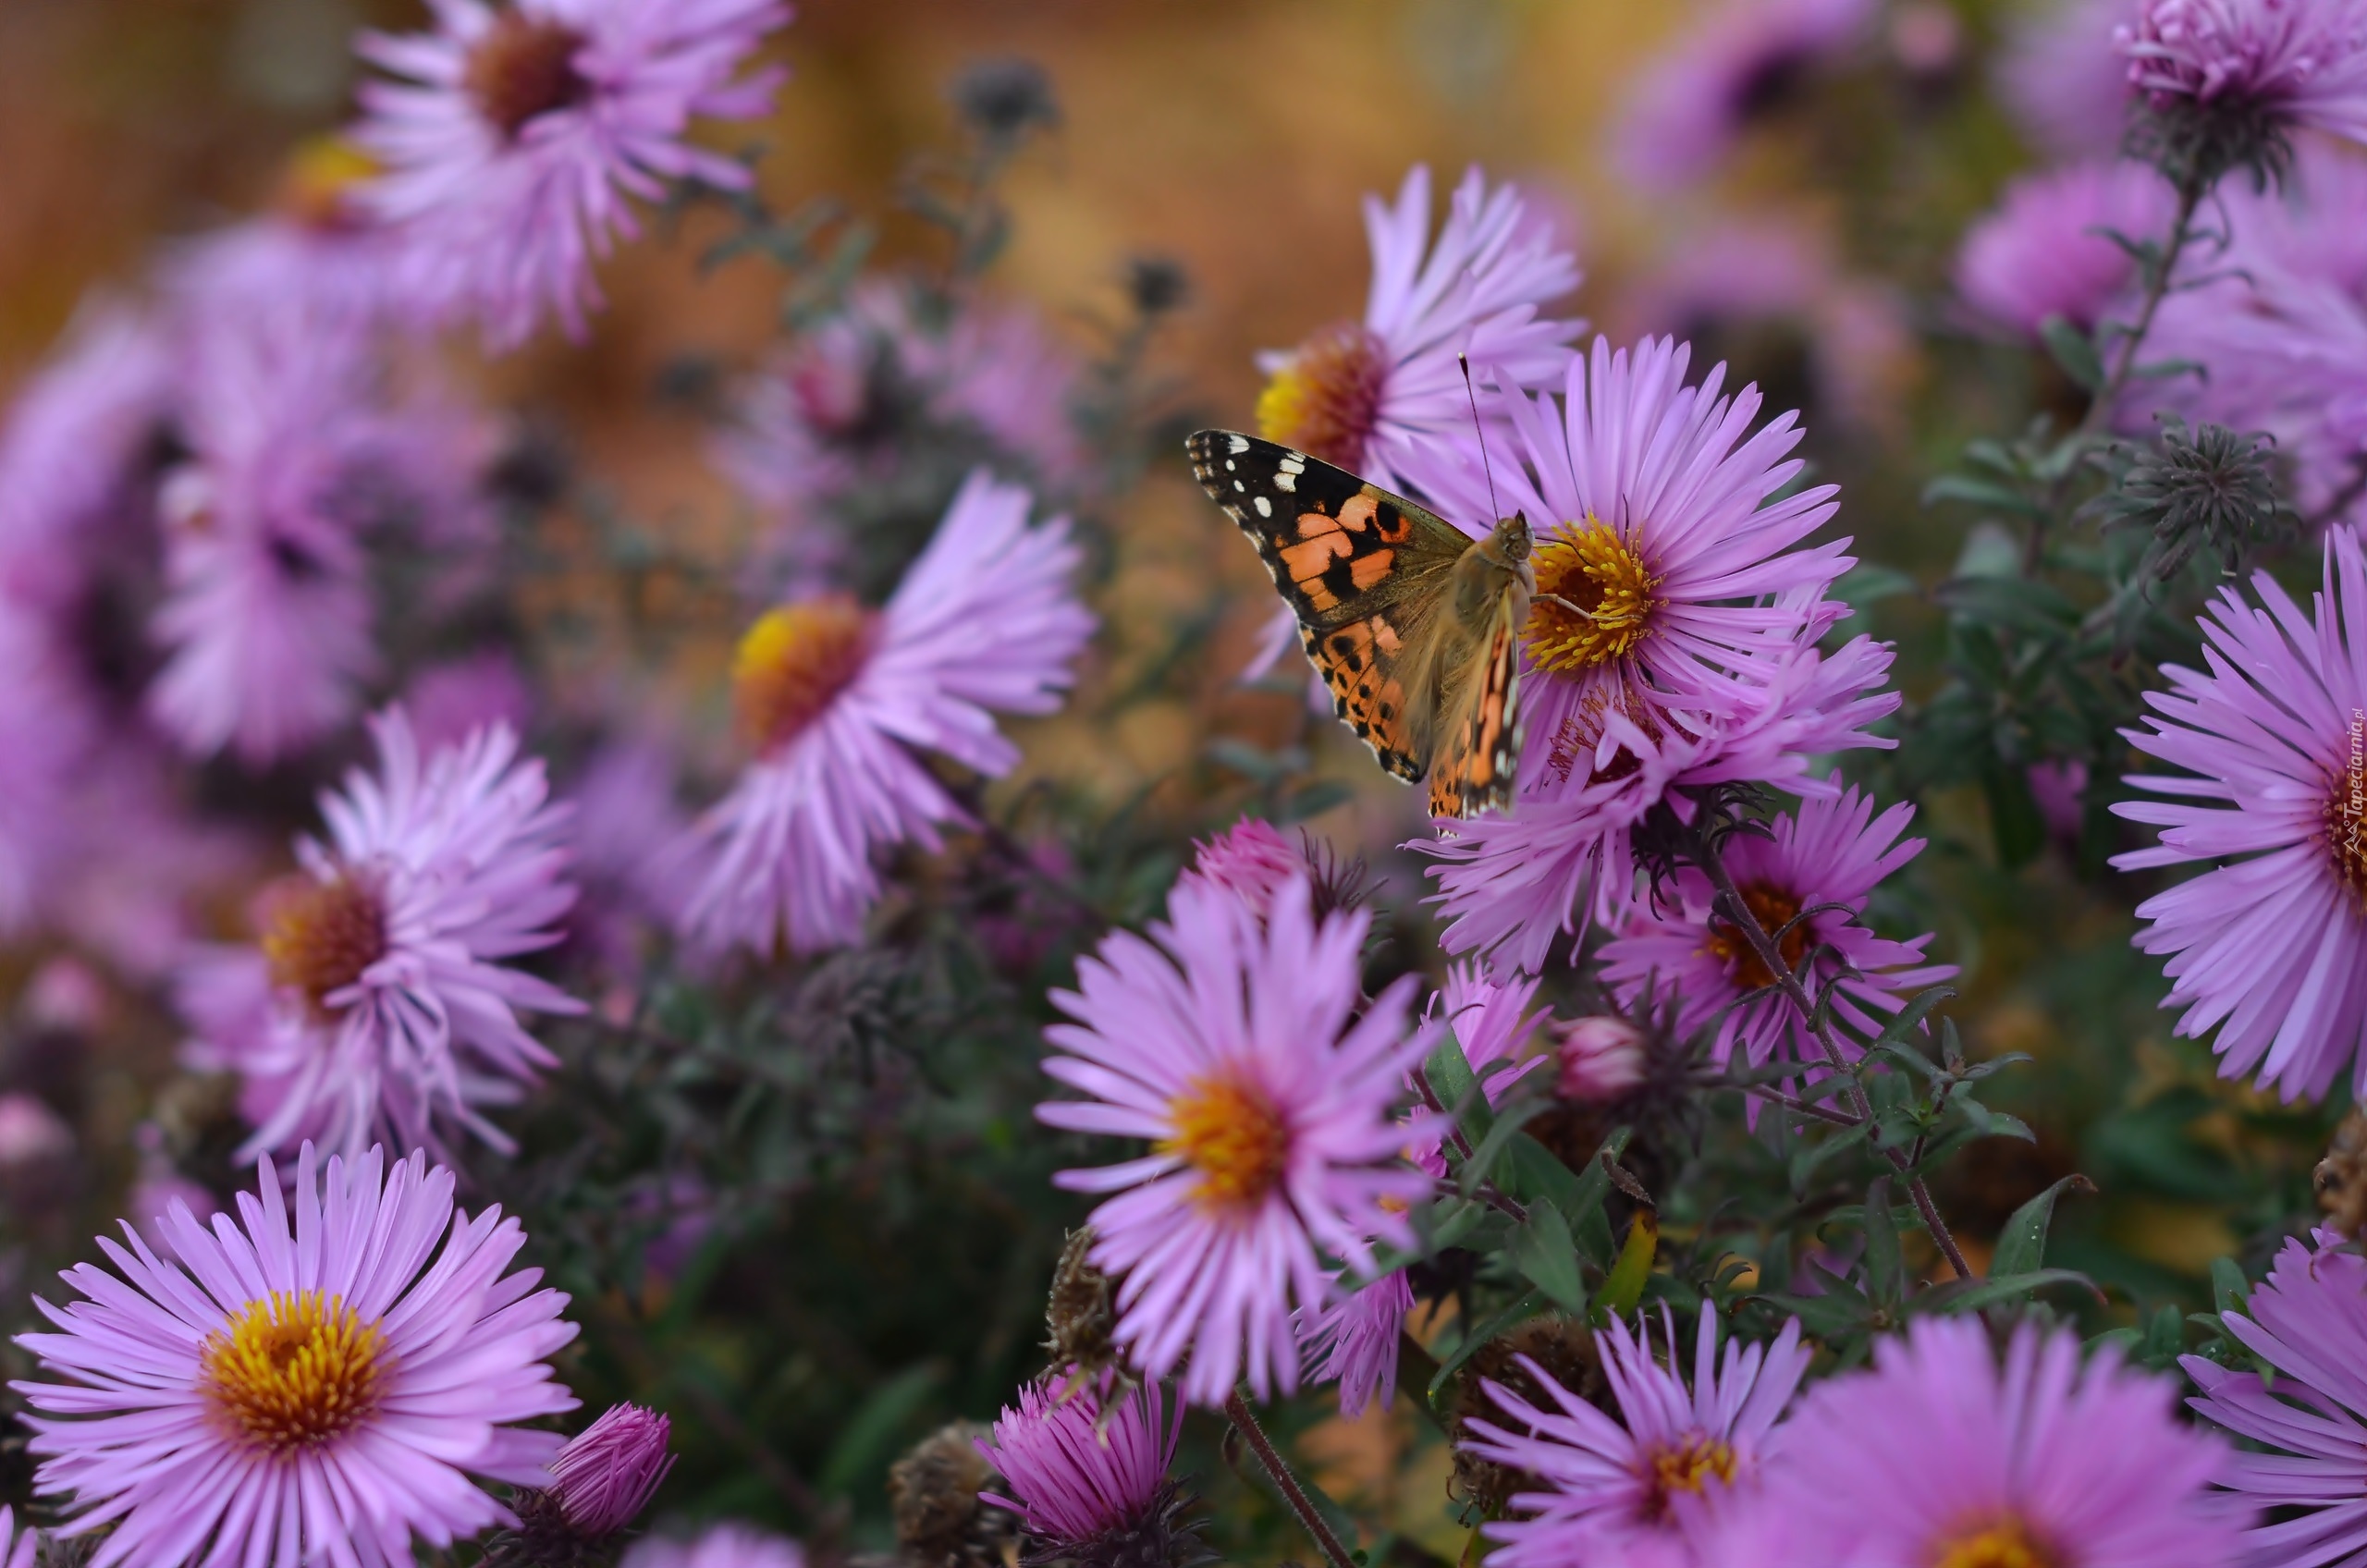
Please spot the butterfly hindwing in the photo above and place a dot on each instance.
(1479, 757)
(1360, 568)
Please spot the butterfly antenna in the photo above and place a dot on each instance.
(1481, 431)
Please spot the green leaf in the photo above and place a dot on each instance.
(2230, 1291)
(1532, 1170)
(870, 1436)
(1313, 800)
(1865, 583)
(2014, 819)
(1542, 1251)
(2074, 350)
(1978, 493)
(1625, 1288)
(1971, 1295)
(1885, 1270)
(1492, 1148)
(2021, 1245)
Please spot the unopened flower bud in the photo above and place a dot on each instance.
(606, 1475)
(1596, 1059)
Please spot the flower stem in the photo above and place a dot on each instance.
(1738, 914)
(1244, 1421)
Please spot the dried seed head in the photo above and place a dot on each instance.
(933, 1492)
(1565, 1348)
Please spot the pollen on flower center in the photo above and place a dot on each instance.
(2003, 1544)
(1233, 1136)
(2346, 810)
(1326, 401)
(522, 67)
(1773, 909)
(295, 1370)
(319, 938)
(795, 662)
(1686, 1468)
(1588, 565)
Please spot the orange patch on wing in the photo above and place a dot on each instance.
(1358, 510)
(1305, 561)
(1313, 525)
(1367, 571)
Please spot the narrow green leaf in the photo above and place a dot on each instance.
(2230, 1291)
(870, 1436)
(1885, 1270)
(1625, 1288)
(2021, 1245)
(1542, 1251)
(2072, 349)
(1971, 1295)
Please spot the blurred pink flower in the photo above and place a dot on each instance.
(633, 860)
(2044, 252)
(721, 1546)
(2296, 61)
(1251, 860)
(512, 140)
(378, 997)
(839, 700)
(1597, 1059)
(1351, 1340)
(320, 1395)
(1734, 61)
(452, 701)
(2062, 75)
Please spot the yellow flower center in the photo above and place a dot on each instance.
(1773, 909)
(1325, 400)
(1233, 1136)
(522, 67)
(795, 662)
(322, 173)
(1588, 565)
(319, 938)
(2006, 1543)
(294, 1371)
(1686, 1468)
(2345, 811)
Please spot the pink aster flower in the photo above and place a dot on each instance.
(1831, 852)
(1597, 1060)
(1236, 1048)
(379, 996)
(2063, 77)
(839, 699)
(1950, 1458)
(325, 1393)
(2045, 252)
(632, 844)
(1738, 60)
(721, 1546)
(1251, 859)
(453, 699)
(1352, 1341)
(608, 1473)
(513, 138)
(2270, 943)
(2298, 62)
(316, 249)
(1087, 1478)
(2308, 1319)
(1616, 1484)
(296, 467)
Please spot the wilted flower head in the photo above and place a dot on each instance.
(1952, 1458)
(1616, 1484)
(837, 699)
(1090, 1483)
(378, 995)
(1005, 99)
(2270, 942)
(512, 138)
(2207, 490)
(2226, 80)
(232, 1407)
(1600, 1058)
(934, 1492)
(1225, 1040)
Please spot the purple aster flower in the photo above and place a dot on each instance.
(1088, 1477)
(452, 701)
(2296, 61)
(1828, 855)
(513, 138)
(721, 1546)
(1239, 1048)
(839, 699)
(1352, 1341)
(322, 1394)
(16, 1551)
(2308, 1319)
(1618, 1484)
(1746, 272)
(2045, 252)
(378, 997)
(2268, 943)
(1950, 1459)
(632, 843)
(1739, 60)
(2063, 77)
(1251, 860)
(318, 251)
(608, 1473)
(1598, 1059)
(295, 468)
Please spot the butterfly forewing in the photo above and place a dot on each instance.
(1480, 754)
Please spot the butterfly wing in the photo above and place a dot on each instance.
(1363, 570)
(1480, 756)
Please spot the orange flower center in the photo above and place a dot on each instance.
(2345, 811)
(522, 67)
(1325, 400)
(319, 938)
(1686, 1468)
(2004, 1543)
(1773, 909)
(1232, 1135)
(795, 662)
(292, 1371)
(1590, 566)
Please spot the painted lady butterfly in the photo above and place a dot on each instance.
(1413, 626)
